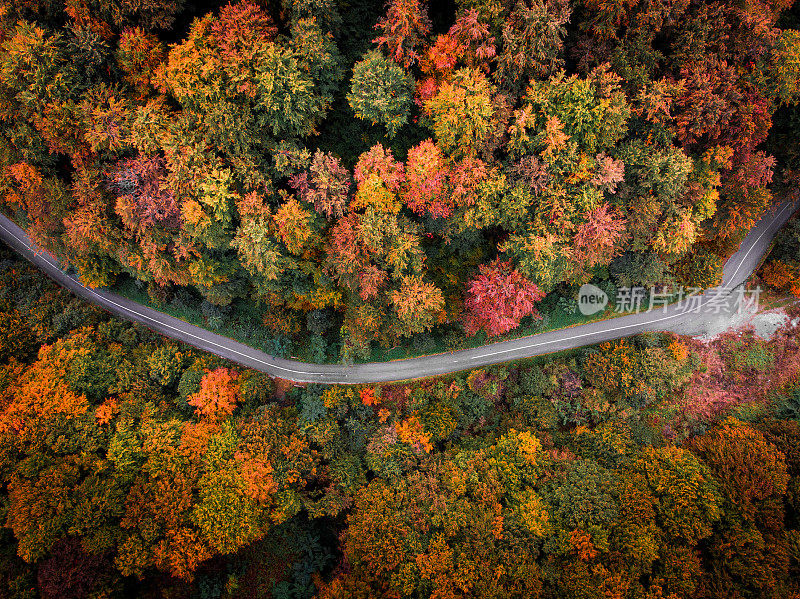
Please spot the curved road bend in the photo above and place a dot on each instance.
(737, 269)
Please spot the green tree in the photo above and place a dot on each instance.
(380, 92)
(593, 113)
(702, 268)
(252, 90)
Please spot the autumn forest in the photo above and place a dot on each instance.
(334, 178)
(353, 180)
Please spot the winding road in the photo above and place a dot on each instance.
(736, 271)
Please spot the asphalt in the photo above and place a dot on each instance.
(736, 271)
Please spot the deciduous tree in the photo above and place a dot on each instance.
(417, 304)
(464, 114)
(498, 298)
(426, 181)
(403, 30)
(532, 42)
(217, 396)
(380, 92)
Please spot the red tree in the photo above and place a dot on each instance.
(475, 44)
(403, 30)
(498, 298)
(241, 26)
(596, 239)
(144, 199)
(379, 161)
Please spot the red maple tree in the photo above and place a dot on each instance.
(498, 299)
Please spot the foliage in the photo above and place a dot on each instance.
(532, 42)
(402, 30)
(463, 114)
(217, 395)
(702, 269)
(500, 150)
(499, 297)
(554, 479)
(577, 142)
(416, 303)
(781, 269)
(380, 92)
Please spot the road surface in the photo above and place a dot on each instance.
(737, 269)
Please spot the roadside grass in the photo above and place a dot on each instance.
(455, 340)
(244, 323)
(771, 300)
(555, 319)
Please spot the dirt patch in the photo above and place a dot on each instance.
(767, 324)
(707, 327)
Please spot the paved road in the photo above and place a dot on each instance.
(737, 269)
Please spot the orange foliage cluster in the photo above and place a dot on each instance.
(581, 542)
(679, 350)
(217, 396)
(782, 276)
(410, 431)
(368, 396)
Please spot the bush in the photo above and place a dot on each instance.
(280, 346)
(312, 407)
(423, 343)
(183, 299)
(157, 294)
(787, 406)
(758, 357)
(534, 382)
(638, 270)
(215, 316)
(256, 388)
(567, 305)
(648, 339)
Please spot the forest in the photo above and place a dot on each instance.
(134, 467)
(342, 177)
(334, 179)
